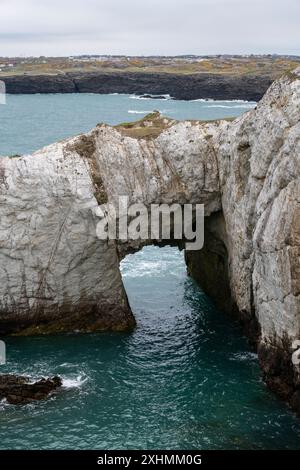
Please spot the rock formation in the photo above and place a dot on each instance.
(180, 86)
(19, 390)
(56, 275)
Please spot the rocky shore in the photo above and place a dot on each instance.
(179, 86)
(19, 390)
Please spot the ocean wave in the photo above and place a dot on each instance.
(150, 96)
(243, 101)
(202, 100)
(211, 100)
(3, 404)
(134, 97)
(134, 111)
(137, 267)
(244, 356)
(142, 268)
(74, 382)
(137, 111)
(242, 106)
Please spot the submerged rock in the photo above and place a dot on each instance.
(154, 97)
(19, 390)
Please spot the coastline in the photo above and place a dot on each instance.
(179, 86)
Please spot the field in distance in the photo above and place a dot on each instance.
(270, 65)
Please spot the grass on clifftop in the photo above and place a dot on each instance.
(148, 127)
(153, 124)
(273, 66)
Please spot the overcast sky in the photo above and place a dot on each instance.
(137, 27)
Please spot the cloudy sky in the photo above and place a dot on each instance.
(67, 27)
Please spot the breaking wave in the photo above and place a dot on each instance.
(74, 382)
(151, 96)
(244, 356)
(133, 111)
(244, 106)
(136, 111)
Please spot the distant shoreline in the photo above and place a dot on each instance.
(179, 86)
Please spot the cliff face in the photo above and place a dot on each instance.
(259, 158)
(259, 175)
(55, 275)
(30, 84)
(186, 87)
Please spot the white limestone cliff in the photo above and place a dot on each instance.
(56, 275)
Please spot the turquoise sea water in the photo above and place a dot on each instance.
(28, 122)
(185, 378)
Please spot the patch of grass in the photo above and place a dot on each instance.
(292, 76)
(148, 127)
(153, 124)
(273, 66)
(85, 146)
(143, 132)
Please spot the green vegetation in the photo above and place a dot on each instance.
(153, 124)
(86, 148)
(292, 76)
(225, 65)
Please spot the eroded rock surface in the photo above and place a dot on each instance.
(56, 275)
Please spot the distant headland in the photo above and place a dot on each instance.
(183, 77)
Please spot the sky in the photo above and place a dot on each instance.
(142, 27)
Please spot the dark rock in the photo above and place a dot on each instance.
(154, 97)
(19, 391)
(295, 401)
(30, 84)
(209, 267)
(278, 372)
(185, 87)
(86, 317)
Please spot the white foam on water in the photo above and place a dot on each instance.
(139, 265)
(137, 111)
(134, 111)
(3, 404)
(238, 101)
(244, 356)
(142, 268)
(133, 97)
(210, 100)
(203, 100)
(75, 382)
(150, 96)
(235, 106)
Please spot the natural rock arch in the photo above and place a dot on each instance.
(55, 274)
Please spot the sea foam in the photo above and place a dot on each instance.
(74, 382)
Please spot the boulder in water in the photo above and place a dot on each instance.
(18, 390)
